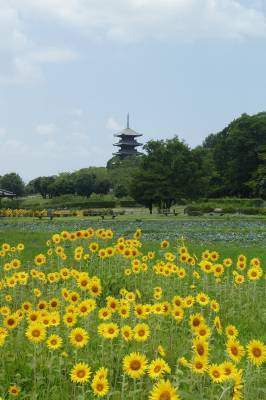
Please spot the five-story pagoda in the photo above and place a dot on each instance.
(127, 142)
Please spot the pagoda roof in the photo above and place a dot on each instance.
(127, 152)
(125, 143)
(127, 132)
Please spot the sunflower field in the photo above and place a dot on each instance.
(93, 315)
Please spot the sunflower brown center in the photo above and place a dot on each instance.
(234, 350)
(256, 352)
(165, 395)
(141, 332)
(199, 365)
(100, 387)
(216, 374)
(36, 333)
(81, 373)
(157, 368)
(196, 322)
(135, 365)
(200, 349)
(78, 337)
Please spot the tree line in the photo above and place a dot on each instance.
(229, 163)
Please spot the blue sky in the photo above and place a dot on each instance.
(70, 70)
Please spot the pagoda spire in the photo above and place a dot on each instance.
(127, 142)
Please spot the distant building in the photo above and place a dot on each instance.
(6, 193)
(127, 143)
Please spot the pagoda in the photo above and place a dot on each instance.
(127, 142)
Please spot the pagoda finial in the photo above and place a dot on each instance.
(127, 120)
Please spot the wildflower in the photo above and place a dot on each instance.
(134, 365)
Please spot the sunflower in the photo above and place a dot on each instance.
(200, 347)
(163, 390)
(141, 332)
(256, 352)
(70, 319)
(100, 387)
(84, 308)
(36, 332)
(134, 365)
(108, 330)
(188, 301)
(227, 262)
(54, 303)
(78, 337)
(178, 301)
(80, 373)
(199, 365)
(229, 369)
(164, 244)
(239, 279)
(40, 259)
(203, 331)
(105, 313)
(11, 321)
(216, 373)
(254, 273)
(215, 306)
(124, 311)
(161, 350)
(177, 313)
(139, 311)
(14, 390)
(54, 342)
(195, 320)
(127, 333)
(95, 287)
(157, 368)
(231, 331)
(218, 325)
(83, 282)
(235, 350)
(202, 299)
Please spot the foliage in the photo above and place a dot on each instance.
(12, 182)
(239, 155)
(83, 182)
(168, 172)
(121, 173)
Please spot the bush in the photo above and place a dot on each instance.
(129, 203)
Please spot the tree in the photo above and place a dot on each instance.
(121, 173)
(168, 172)
(13, 182)
(84, 182)
(237, 153)
(42, 185)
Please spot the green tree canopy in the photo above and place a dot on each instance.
(12, 182)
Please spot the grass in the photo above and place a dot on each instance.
(42, 373)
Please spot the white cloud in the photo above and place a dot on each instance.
(113, 124)
(13, 147)
(134, 20)
(22, 56)
(53, 55)
(46, 129)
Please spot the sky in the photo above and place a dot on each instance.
(70, 70)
